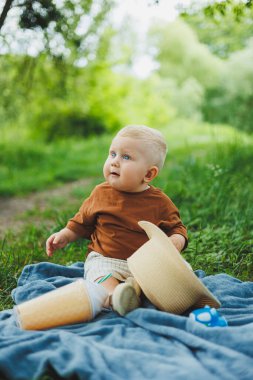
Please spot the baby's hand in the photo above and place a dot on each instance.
(56, 241)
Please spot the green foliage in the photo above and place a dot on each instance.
(202, 85)
(57, 100)
(63, 28)
(14, 82)
(61, 120)
(181, 56)
(38, 14)
(185, 65)
(186, 98)
(231, 101)
(224, 27)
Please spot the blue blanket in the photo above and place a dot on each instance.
(146, 344)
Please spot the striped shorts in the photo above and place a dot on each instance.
(97, 265)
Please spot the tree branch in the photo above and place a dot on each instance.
(6, 8)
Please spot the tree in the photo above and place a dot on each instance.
(65, 27)
(227, 29)
(232, 100)
(221, 8)
(180, 54)
(33, 13)
(5, 10)
(216, 7)
(185, 65)
(224, 29)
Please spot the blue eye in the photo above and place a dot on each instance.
(126, 157)
(113, 154)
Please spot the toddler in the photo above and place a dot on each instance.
(109, 216)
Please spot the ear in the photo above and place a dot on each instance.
(151, 174)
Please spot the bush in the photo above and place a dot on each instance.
(61, 120)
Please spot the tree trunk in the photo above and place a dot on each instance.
(6, 8)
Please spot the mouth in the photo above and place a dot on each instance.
(114, 174)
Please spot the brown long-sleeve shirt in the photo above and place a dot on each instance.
(109, 218)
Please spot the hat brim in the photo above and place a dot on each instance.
(164, 276)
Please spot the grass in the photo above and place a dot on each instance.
(207, 174)
(50, 164)
(215, 199)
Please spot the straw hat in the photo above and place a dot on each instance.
(164, 277)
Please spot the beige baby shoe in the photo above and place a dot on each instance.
(126, 296)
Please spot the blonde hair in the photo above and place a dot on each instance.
(152, 138)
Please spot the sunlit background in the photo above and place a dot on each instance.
(83, 60)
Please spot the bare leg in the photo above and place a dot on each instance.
(125, 298)
(109, 284)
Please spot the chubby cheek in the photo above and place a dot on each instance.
(106, 168)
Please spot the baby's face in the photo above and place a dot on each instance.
(127, 164)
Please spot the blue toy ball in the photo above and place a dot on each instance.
(209, 317)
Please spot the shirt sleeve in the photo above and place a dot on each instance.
(83, 222)
(171, 222)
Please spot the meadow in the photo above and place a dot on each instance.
(208, 174)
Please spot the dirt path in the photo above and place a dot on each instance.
(12, 209)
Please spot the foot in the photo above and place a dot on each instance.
(134, 283)
(125, 298)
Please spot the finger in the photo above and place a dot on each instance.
(56, 241)
(49, 245)
(50, 239)
(49, 251)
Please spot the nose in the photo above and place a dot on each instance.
(115, 161)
